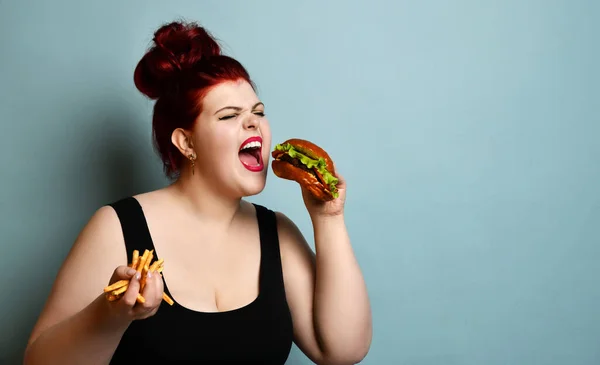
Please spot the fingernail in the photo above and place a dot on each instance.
(149, 275)
(138, 276)
(131, 271)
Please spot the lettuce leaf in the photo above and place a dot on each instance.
(320, 165)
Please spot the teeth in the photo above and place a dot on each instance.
(254, 144)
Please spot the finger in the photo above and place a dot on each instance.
(130, 296)
(122, 273)
(149, 305)
(152, 291)
(158, 289)
(158, 283)
(341, 181)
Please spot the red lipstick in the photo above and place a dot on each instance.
(250, 153)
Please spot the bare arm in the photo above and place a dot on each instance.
(326, 293)
(83, 338)
(75, 326)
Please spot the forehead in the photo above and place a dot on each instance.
(230, 93)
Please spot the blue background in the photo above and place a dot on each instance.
(467, 130)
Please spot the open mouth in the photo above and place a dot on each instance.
(250, 154)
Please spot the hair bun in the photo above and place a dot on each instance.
(177, 47)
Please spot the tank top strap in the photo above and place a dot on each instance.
(271, 273)
(134, 225)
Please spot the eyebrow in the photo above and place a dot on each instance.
(237, 108)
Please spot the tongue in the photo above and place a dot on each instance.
(248, 158)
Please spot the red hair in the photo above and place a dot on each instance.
(184, 63)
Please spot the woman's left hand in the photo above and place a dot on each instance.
(331, 208)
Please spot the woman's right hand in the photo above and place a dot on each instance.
(127, 308)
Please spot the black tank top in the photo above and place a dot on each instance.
(258, 333)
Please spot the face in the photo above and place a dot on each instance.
(232, 140)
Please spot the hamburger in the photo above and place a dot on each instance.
(307, 164)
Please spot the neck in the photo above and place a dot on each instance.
(204, 200)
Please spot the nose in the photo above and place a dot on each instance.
(252, 122)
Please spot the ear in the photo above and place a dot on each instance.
(182, 139)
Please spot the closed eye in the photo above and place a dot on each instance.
(231, 116)
(228, 117)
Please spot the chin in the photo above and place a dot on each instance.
(251, 182)
(250, 187)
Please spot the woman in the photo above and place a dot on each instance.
(244, 282)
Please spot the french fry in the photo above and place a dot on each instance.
(155, 265)
(111, 298)
(148, 261)
(167, 299)
(142, 262)
(150, 258)
(143, 265)
(136, 258)
(120, 291)
(116, 285)
(145, 269)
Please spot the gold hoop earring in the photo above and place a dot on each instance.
(193, 159)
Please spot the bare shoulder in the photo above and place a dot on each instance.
(97, 251)
(289, 233)
(152, 196)
(296, 254)
(158, 201)
(102, 236)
